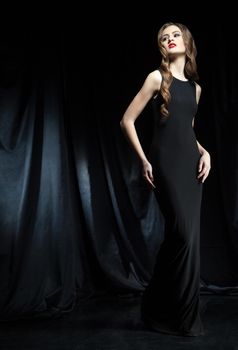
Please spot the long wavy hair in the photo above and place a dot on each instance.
(190, 63)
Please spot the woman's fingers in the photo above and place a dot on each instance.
(204, 166)
(201, 173)
(149, 178)
(204, 173)
(205, 176)
(149, 181)
(148, 174)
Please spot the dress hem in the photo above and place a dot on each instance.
(154, 325)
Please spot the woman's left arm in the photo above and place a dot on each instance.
(205, 159)
(201, 149)
(204, 163)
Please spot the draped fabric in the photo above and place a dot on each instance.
(39, 210)
(217, 128)
(75, 215)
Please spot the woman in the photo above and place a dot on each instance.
(176, 168)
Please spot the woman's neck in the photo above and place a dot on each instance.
(177, 67)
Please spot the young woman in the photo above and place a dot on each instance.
(175, 169)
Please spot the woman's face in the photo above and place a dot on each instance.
(172, 40)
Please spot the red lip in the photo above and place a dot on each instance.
(171, 45)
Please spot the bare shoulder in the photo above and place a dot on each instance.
(154, 79)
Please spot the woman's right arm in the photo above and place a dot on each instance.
(150, 87)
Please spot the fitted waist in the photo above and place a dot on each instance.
(174, 137)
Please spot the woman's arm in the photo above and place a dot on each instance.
(198, 94)
(202, 150)
(205, 160)
(151, 85)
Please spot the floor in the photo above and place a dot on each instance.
(113, 323)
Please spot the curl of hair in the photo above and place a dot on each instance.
(190, 68)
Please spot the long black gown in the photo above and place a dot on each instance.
(171, 302)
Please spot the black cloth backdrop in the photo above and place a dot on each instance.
(76, 218)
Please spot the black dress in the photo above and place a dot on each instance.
(171, 302)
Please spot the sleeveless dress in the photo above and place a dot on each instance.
(171, 301)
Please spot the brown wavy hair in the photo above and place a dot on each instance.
(190, 64)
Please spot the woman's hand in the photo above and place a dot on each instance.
(204, 166)
(147, 173)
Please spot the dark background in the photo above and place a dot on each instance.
(76, 219)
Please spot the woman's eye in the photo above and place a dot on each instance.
(164, 39)
(176, 34)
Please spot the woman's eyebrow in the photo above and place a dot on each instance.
(175, 31)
